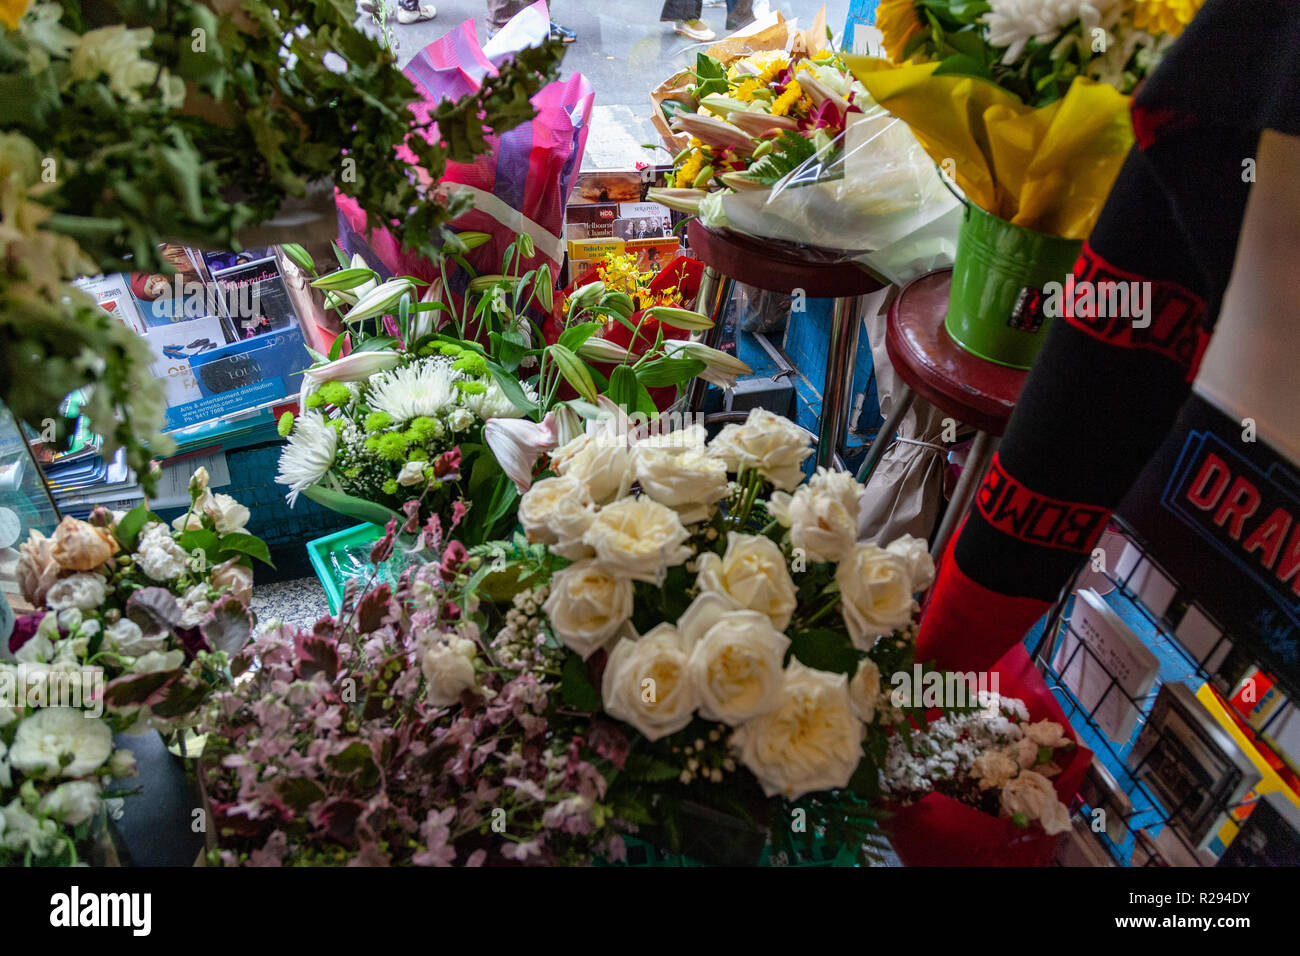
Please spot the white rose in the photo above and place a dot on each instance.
(864, 690)
(708, 608)
(693, 438)
(158, 554)
(1024, 751)
(1033, 795)
(600, 462)
(448, 667)
(195, 605)
(235, 578)
(1046, 733)
(737, 667)
(73, 802)
(126, 638)
(771, 444)
(557, 512)
(83, 591)
(875, 593)
(155, 661)
(809, 741)
(638, 538)
(822, 515)
(647, 683)
(227, 514)
(689, 482)
(992, 769)
(587, 606)
(920, 566)
(412, 473)
(60, 741)
(460, 419)
(752, 573)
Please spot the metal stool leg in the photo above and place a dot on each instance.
(714, 294)
(841, 357)
(880, 444)
(981, 454)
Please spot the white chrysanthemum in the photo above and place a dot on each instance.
(421, 389)
(308, 456)
(493, 403)
(1013, 23)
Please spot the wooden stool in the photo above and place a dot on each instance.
(970, 389)
(730, 257)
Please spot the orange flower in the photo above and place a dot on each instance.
(11, 11)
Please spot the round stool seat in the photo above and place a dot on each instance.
(779, 266)
(972, 390)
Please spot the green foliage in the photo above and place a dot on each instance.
(791, 150)
(244, 112)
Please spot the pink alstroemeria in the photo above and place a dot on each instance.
(517, 443)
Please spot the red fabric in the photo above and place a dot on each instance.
(941, 831)
(966, 626)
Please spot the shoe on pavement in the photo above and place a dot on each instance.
(694, 29)
(715, 3)
(416, 13)
(563, 34)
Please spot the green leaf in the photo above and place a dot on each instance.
(377, 343)
(510, 385)
(964, 65)
(128, 529)
(573, 337)
(622, 387)
(354, 508)
(710, 76)
(669, 371)
(825, 650)
(336, 349)
(248, 544)
(576, 689)
(197, 539)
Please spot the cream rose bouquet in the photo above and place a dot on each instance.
(134, 624)
(714, 614)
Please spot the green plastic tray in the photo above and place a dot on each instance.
(335, 554)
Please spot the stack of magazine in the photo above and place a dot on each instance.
(227, 335)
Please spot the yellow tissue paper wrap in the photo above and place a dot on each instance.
(1048, 169)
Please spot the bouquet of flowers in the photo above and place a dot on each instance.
(394, 735)
(135, 624)
(131, 123)
(714, 617)
(989, 785)
(1023, 102)
(442, 405)
(642, 339)
(993, 759)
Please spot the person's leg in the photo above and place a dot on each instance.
(739, 13)
(681, 10)
(500, 11)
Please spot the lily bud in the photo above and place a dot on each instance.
(596, 349)
(680, 318)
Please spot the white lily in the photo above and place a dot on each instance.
(720, 368)
(517, 443)
(356, 367)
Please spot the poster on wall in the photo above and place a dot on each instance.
(1220, 510)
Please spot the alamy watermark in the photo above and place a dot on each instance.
(46, 685)
(1123, 299)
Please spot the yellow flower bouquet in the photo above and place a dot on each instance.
(1024, 105)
